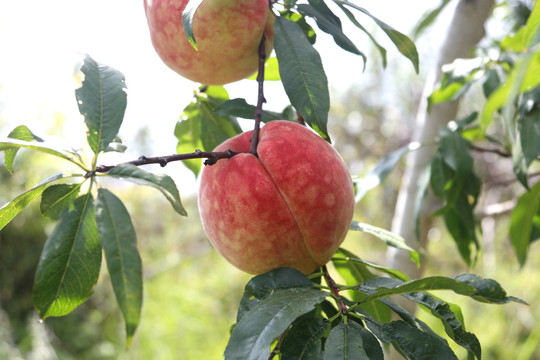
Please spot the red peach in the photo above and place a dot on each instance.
(227, 32)
(289, 207)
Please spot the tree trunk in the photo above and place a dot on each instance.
(465, 30)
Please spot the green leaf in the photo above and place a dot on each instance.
(214, 129)
(381, 170)
(416, 344)
(271, 70)
(102, 101)
(69, 266)
(187, 20)
(270, 317)
(352, 341)
(164, 183)
(329, 23)
(12, 208)
(526, 148)
(402, 42)
(240, 108)
(428, 19)
(356, 272)
(262, 285)
(300, 20)
(482, 290)
(521, 222)
(188, 133)
(352, 18)
(119, 241)
(45, 147)
(351, 258)
(455, 151)
(303, 340)
(56, 198)
(302, 74)
(453, 327)
(456, 80)
(116, 146)
(21, 132)
(388, 237)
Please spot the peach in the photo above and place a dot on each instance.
(227, 32)
(290, 206)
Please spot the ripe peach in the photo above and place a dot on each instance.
(289, 207)
(227, 32)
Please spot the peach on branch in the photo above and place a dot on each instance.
(227, 32)
(290, 206)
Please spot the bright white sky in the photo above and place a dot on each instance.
(42, 42)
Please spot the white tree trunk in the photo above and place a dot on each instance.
(465, 30)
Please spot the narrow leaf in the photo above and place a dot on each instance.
(70, 261)
(56, 198)
(521, 222)
(12, 208)
(21, 132)
(187, 20)
(350, 257)
(329, 23)
(429, 18)
(164, 183)
(45, 147)
(453, 327)
(256, 330)
(388, 237)
(262, 285)
(416, 344)
(102, 101)
(240, 108)
(402, 42)
(352, 341)
(303, 340)
(302, 74)
(119, 241)
(381, 170)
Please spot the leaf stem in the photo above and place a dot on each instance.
(276, 351)
(260, 99)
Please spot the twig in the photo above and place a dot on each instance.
(260, 98)
(499, 152)
(275, 351)
(335, 290)
(211, 159)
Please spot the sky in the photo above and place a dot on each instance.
(43, 43)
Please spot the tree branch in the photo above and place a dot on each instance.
(211, 159)
(260, 98)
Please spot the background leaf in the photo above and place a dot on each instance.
(302, 74)
(240, 108)
(102, 101)
(21, 132)
(12, 208)
(45, 147)
(164, 183)
(256, 330)
(521, 222)
(70, 261)
(119, 241)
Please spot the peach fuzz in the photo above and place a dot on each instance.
(289, 207)
(228, 34)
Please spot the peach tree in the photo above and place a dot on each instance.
(276, 201)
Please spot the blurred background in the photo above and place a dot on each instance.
(191, 293)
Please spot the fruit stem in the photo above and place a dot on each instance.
(335, 290)
(260, 99)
